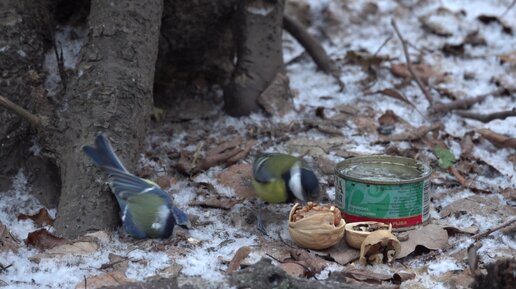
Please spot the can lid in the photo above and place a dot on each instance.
(383, 169)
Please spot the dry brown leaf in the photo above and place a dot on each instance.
(43, 240)
(399, 277)
(341, 253)
(42, 218)
(509, 193)
(415, 134)
(498, 140)
(295, 269)
(319, 147)
(484, 205)
(389, 117)
(238, 177)
(423, 71)
(433, 237)
(313, 262)
(276, 99)
(455, 230)
(456, 279)
(365, 125)
(509, 58)
(467, 146)
(365, 275)
(107, 279)
(7, 241)
(240, 255)
(363, 58)
(208, 197)
(116, 262)
(439, 20)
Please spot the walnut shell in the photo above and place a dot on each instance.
(379, 247)
(355, 238)
(315, 227)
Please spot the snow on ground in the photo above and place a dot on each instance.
(218, 235)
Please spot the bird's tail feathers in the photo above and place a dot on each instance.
(103, 155)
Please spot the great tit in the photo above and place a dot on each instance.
(146, 210)
(279, 178)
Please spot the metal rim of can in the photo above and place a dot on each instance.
(424, 169)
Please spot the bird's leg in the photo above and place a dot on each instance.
(260, 225)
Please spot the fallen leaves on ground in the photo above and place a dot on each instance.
(498, 140)
(208, 197)
(365, 275)
(431, 236)
(7, 241)
(41, 218)
(238, 177)
(102, 280)
(43, 240)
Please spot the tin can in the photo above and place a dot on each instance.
(387, 189)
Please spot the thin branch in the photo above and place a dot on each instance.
(460, 103)
(409, 64)
(34, 120)
(312, 47)
(487, 117)
(508, 9)
(492, 230)
(383, 44)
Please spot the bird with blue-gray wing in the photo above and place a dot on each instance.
(280, 178)
(146, 210)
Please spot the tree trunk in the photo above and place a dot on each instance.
(112, 93)
(23, 31)
(258, 34)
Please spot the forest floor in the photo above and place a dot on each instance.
(464, 53)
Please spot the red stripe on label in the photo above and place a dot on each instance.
(396, 223)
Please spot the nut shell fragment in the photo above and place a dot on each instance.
(379, 247)
(315, 227)
(354, 238)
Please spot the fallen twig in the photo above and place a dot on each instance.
(492, 230)
(314, 49)
(240, 255)
(34, 120)
(409, 64)
(383, 44)
(468, 184)
(460, 103)
(487, 117)
(508, 9)
(413, 135)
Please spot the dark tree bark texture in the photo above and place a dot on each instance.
(23, 35)
(258, 31)
(112, 93)
(195, 47)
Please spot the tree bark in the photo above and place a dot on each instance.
(22, 49)
(258, 34)
(111, 93)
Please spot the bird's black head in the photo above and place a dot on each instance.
(169, 227)
(310, 185)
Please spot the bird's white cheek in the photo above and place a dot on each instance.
(161, 218)
(295, 183)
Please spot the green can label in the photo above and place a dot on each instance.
(402, 205)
